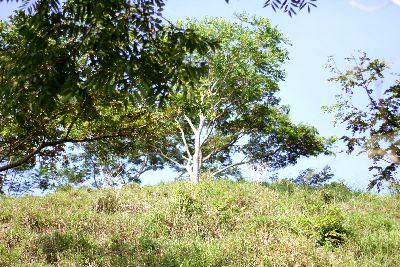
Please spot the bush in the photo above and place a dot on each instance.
(283, 186)
(330, 229)
(311, 177)
(187, 205)
(107, 203)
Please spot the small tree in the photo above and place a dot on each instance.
(312, 177)
(371, 114)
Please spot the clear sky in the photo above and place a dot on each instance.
(336, 27)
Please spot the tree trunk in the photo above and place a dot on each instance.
(194, 169)
(197, 159)
(2, 178)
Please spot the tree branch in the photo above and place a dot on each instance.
(184, 141)
(231, 166)
(172, 160)
(221, 148)
(190, 123)
(43, 145)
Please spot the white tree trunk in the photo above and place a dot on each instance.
(197, 158)
(194, 166)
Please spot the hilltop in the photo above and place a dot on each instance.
(217, 223)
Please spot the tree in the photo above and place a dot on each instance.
(81, 71)
(312, 177)
(233, 109)
(371, 115)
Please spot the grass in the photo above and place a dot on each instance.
(216, 223)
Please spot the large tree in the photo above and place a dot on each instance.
(368, 104)
(80, 71)
(233, 109)
(84, 71)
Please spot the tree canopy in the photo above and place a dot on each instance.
(81, 71)
(76, 64)
(77, 72)
(233, 109)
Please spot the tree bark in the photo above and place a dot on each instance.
(2, 178)
(194, 169)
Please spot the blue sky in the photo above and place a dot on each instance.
(337, 28)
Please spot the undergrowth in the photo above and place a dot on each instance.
(214, 223)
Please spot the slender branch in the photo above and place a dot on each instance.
(201, 123)
(189, 158)
(43, 145)
(387, 152)
(142, 169)
(190, 123)
(172, 160)
(221, 148)
(242, 162)
(210, 128)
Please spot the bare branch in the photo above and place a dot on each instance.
(172, 160)
(190, 123)
(242, 162)
(221, 148)
(189, 158)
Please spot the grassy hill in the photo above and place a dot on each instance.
(217, 223)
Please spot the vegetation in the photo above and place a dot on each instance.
(290, 7)
(371, 115)
(82, 71)
(82, 108)
(233, 108)
(216, 223)
(98, 92)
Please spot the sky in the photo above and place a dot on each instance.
(336, 28)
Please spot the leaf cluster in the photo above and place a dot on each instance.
(291, 7)
(371, 114)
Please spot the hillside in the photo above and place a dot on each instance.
(217, 223)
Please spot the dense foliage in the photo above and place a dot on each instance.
(82, 71)
(107, 85)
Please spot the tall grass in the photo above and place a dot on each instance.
(214, 223)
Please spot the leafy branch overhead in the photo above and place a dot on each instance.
(67, 69)
(291, 7)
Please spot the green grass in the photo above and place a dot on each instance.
(218, 223)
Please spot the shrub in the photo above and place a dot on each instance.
(330, 229)
(107, 203)
(312, 177)
(283, 186)
(55, 244)
(187, 204)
